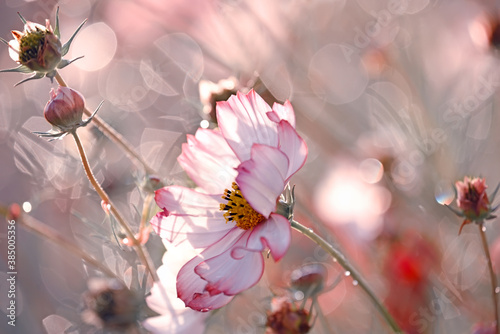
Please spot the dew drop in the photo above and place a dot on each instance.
(483, 228)
(497, 289)
(444, 193)
(310, 230)
(354, 282)
(27, 207)
(204, 124)
(347, 273)
(298, 295)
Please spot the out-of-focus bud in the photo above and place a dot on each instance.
(110, 305)
(211, 92)
(65, 108)
(152, 183)
(309, 279)
(286, 318)
(484, 329)
(37, 48)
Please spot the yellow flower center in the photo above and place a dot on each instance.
(238, 210)
(30, 44)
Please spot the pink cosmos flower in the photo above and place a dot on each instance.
(241, 171)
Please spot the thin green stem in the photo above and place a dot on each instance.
(341, 259)
(493, 277)
(112, 134)
(141, 252)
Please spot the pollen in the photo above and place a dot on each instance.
(238, 210)
(31, 44)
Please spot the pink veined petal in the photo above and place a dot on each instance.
(233, 271)
(243, 121)
(209, 161)
(282, 112)
(184, 201)
(274, 234)
(262, 178)
(293, 146)
(192, 289)
(200, 232)
(14, 49)
(189, 215)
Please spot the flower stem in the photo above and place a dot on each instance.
(143, 255)
(37, 227)
(337, 255)
(112, 134)
(493, 277)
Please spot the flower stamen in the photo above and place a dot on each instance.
(238, 209)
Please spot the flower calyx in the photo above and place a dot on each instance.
(38, 49)
(286, 202)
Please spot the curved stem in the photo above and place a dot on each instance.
(337, 255)
(112, 134)
(493, 277)
(46, 231)
(144, 256)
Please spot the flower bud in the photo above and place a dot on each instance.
(110, 305)
(473, 201)
(38, 47)
(285, 318)
(65, 108)
(309, 279)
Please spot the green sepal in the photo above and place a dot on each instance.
(63, 63)
(20, 68)
(37, 75)
(56, 30)
(65, 47)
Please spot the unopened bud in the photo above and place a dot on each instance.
(65, 108)
(309, 279)
(110, 305)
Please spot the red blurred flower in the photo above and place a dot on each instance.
(254, 154)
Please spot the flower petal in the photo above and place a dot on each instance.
(14, 49)
(189, 215)
(274, 233)
(209, 161)
(262, 178)
(293, 146)
(282, 112)
(179, 229)
(175, 317)
(243, 121)
(234, 270)
(184, 201)
(192, 289)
